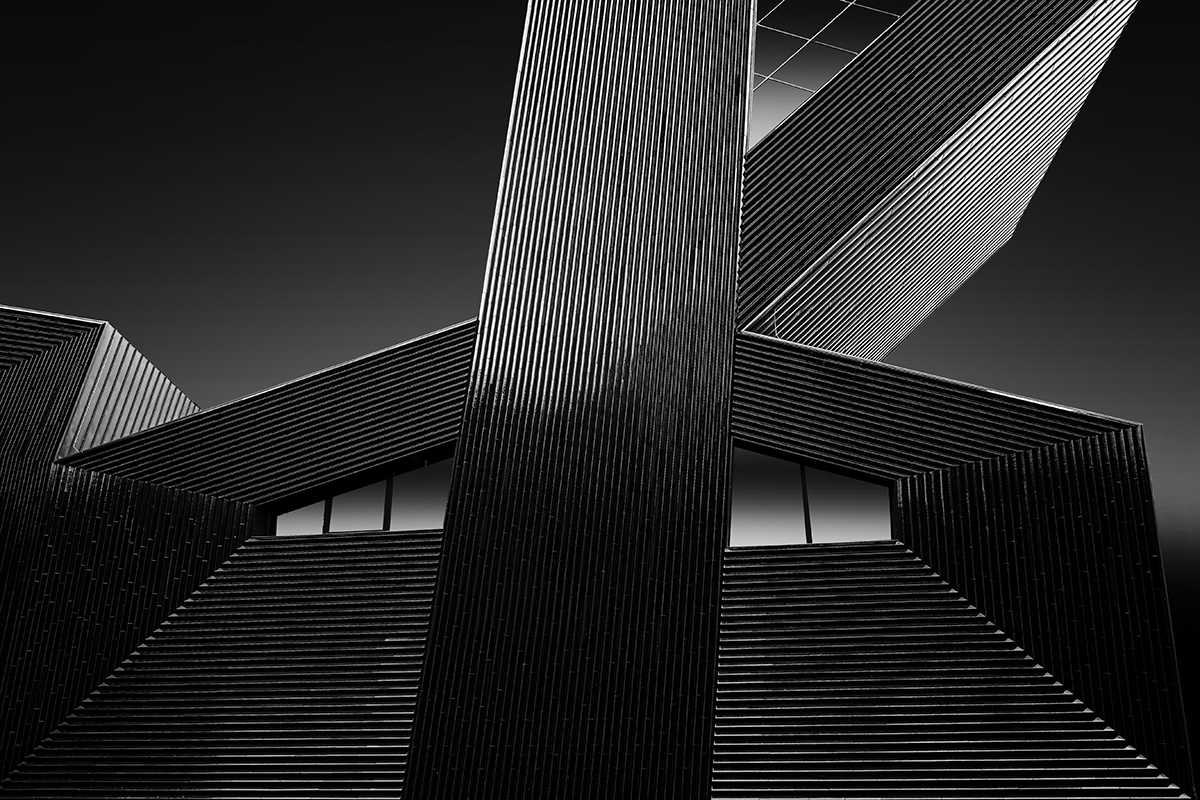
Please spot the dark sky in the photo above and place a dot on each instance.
(250, 198)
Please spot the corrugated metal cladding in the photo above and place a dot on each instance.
(345, 420)
(36, 398)
(573, 643)
(291, 674)
(1040, 515)
(811, 180)
(893, 267)
(92, 563)
(855, 671)
(102, 563)
(123, 393)
(25, 333)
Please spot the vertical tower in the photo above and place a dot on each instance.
(573, 644)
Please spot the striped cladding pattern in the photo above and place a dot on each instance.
(303, 435)
(855, 671)
(36, 399)
(1058, 546)
(292, 672)
(823, 170)
(923, 240)
(123, 393)
(92, 563)
(25, 333)
(96, 563)
(573, 642)
(1040, 515)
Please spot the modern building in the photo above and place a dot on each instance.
(953, 592)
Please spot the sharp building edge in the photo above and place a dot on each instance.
(880, 127)
(92, 562)
(123, 393)
(279, 445)
(930, 233)
(581, 628)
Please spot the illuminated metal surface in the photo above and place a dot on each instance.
(886, 190)
(123, 393)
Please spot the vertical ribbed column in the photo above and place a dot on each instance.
(573, 643)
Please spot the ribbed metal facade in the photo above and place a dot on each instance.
(573, 641)
(813, 184)
(1040, 515)
(933, 230)
(854, 671)
(24, 333)
(36, 399)
(291, 673)
(97, 563)
(306, 434)
(91, 563)
(573, 636)
(123, 393)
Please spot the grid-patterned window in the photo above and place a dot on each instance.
(799, 45)
(410, 499)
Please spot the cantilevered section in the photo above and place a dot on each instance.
(883, 193)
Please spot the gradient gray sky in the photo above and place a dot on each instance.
(250, 199)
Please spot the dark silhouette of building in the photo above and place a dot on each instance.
(656, 296)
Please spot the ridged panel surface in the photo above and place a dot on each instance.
(1040, 515)
(573, 642)
(1058, 545)
(854, 671)
(91, 563)
(349, 419)
(292, 672)
(25, 333)
(36, 399)
(932, 231)
(95, 565)
(123, 393)
(821, 172)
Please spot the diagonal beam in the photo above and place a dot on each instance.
(883, 193)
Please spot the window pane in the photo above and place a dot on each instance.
(843, 509)
(772, 103)
(803, 17)
(768, 502)
(856, 28)
(772, 49)
(419, 497)
(358, 510)
(301, 521)
(813, 66)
